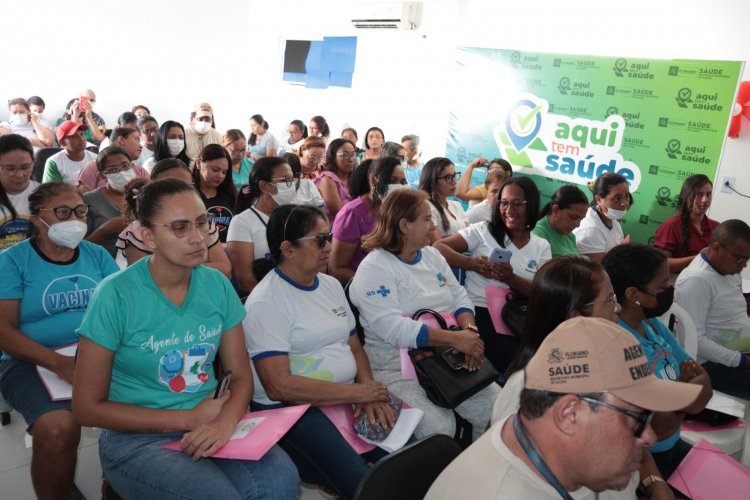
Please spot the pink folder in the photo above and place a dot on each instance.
(407, 367)
(342, 417)
(255, 433)
(496, 299)
(709, 473)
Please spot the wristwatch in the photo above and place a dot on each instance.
(649, 481)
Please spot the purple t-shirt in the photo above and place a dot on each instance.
(354, 220)
(343, 191)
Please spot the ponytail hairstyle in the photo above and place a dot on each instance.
(262, 171)
(564, 197)
(259, 120)
(322, 124)
(152, 194)
(132, 190)
(428, 182)
(604, 184)
(382, 171)
(685, 202)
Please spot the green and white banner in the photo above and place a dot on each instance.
(569, 118)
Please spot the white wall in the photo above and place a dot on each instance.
(170, 54)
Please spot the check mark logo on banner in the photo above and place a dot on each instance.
(525, 120)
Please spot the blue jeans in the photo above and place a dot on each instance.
(322, 455)
(136, 466)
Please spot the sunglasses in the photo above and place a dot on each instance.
(320, 239)
(642, 417)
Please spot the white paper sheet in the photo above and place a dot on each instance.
(726, 404)
(58, 389)
(402, 431)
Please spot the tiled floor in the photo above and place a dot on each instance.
(15, 462)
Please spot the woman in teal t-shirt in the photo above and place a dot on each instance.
(559, 217)
(640, 279)
(145, 374)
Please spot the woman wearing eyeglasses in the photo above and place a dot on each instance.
(144, 371)
(271, 184)
(312, 157)
(16, 167)
(234, 142)
(640, 277)
(439, 178)
(515, 215)
(106, 219)
(332, 182)
(357, 218)
(301, 335)
(47, 281)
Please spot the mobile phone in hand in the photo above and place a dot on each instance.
(224, 382)
(81, 101)
(500, 256)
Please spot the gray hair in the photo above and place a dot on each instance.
(390, 149)
(411, 137)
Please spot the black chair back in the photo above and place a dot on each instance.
(408, 473)
(355, 311)
(40, 158)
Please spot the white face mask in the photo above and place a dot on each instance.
(393, 187)
(21, 119)
(67, 233)
(120, 179)
(202, 127)
(284, 195)
(615, 214)
(175, 146)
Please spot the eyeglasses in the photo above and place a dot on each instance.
(63, 213)
(612, 299)
(181, 228)
(642, 417)
(278, 180)
(451, 178)
(150, 131)
(316, 159)
(320, 239)
(515, 204)
(740, 260)
(347, 156)
(115, 169)
(12, 169)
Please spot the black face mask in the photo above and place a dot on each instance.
(664, 302)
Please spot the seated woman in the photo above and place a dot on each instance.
(170, 143)
(215, 186)
(169, 316)
(404, 266)
(16, 167)
(302, 339)
(89, 178)
(477, 194)
(312, 157)
(374, 140)
(600, 230)
(47, 282)
(307, 192)
(438, 180)
(319, 127)
(271, 184)
(510, 228)
(357, 218)
(106, 218)
(684, 235)
(297, 133)
(130, 241)
(332, 182)
(236, 145)
(640, 278)
(559, 217)
(482, 211)
(261, 142)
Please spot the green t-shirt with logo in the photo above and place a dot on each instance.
(561, 244)
(163, 353)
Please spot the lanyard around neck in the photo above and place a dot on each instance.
(536, 458)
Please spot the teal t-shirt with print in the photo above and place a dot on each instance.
(560, 244)
(163, 353)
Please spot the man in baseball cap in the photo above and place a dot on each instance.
(68, 163)
(583, 424)
(201, 131)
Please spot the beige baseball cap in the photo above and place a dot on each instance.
(203, 109)
(590, 355)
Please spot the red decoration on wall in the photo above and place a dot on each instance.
(741, 108)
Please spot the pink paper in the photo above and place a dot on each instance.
(407, 367)
(342, 417)
(256, 440)
(496, 299)
(709, 473)
(694, 426)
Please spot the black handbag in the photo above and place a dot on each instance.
(445, 385)
(514, 312)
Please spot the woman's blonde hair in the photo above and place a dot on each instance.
(401, 204)
(311, 142)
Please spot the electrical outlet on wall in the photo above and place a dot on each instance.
(726, 182)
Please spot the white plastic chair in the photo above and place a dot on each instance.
(735, 442)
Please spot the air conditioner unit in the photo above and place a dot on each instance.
(385, 15)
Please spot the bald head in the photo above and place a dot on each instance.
(730, 231)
